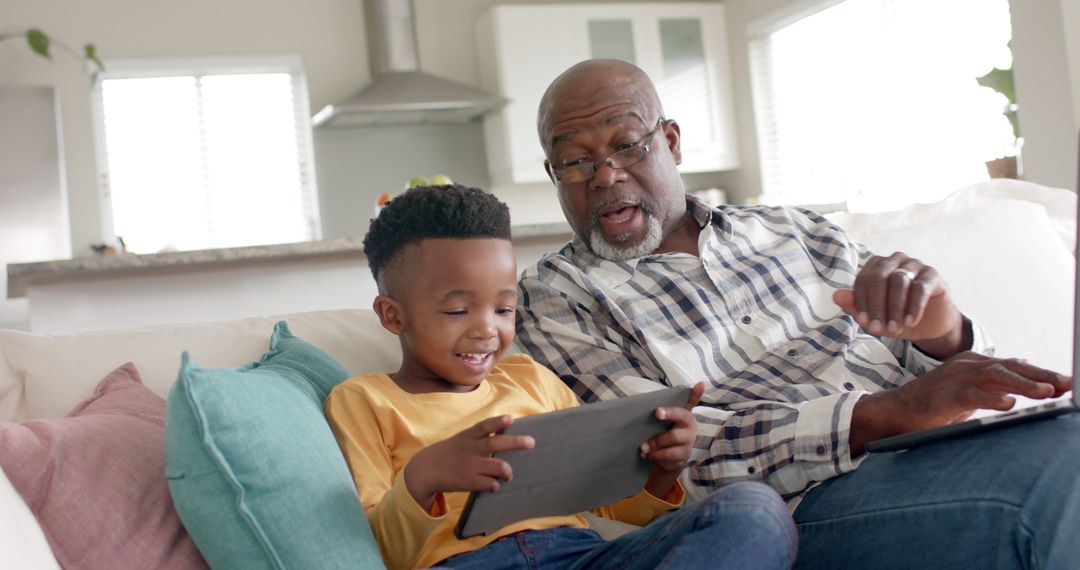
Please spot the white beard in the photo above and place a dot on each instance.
(602, 247)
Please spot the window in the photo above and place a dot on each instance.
(199, 155)
(874, 103)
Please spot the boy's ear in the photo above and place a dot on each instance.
(390, 312)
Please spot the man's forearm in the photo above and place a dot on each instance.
(871, 420)
(959, 339)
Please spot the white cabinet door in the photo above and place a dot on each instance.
(682, 47)
(690, 66)
(521, 50)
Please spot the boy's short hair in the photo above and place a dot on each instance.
(422, 212)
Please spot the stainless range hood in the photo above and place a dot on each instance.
(399, 93)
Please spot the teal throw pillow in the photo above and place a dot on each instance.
(254, 470)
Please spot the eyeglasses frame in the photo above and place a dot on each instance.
(642, 143)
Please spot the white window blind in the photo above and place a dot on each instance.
(207, 159)
(874, 103)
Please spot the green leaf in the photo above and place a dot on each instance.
(90, 51)
(1014, 121)
(1000, 80)
(39, 42)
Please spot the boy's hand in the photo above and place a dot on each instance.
(463, 462)
(671, 450)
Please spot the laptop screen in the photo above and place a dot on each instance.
(1076, 287)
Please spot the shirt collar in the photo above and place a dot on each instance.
(706, 215)
(605, 271)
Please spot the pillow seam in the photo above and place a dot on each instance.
(226, 472)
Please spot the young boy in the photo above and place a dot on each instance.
(418, 440)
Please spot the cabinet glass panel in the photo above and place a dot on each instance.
(685, 84)
(611, 39)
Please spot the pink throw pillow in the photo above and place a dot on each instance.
(95, 479)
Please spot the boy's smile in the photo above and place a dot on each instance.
(456, 316)
(477, 360)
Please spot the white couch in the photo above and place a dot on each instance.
(1006, 248)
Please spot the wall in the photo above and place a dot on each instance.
(1070, 12)
(1047, 74)
(327, 34)
(32, 221)
(355, 165)
(1046, 47)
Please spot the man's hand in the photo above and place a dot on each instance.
(951, 393)
(900, 297)
(463, 462)
(671, 450)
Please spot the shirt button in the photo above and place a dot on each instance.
(751, 470)
(849, 386)
(746, 320)
(820, 450)
(792, 352)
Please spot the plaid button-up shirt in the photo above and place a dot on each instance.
(753, 317)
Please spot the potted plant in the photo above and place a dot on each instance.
(41, 44)
(1001, 80)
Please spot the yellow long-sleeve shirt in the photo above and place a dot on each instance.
(380, 427)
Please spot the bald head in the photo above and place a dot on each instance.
(591, 86)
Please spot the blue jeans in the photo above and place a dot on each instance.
(743, 526)
(1002, 499)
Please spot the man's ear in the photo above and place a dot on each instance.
(551, 175)
(673, 136)
(391, 314)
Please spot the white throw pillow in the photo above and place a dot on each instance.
(1059, 204)
(57, 372)
(1004, 262)
(22, 542)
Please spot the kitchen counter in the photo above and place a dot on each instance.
(23, 275)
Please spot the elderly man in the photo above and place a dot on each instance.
(810, 348)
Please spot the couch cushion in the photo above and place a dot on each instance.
(95, 480)
(56, 372)
(22, 543)
(254, 469)
(12, 404)
(1004, 260)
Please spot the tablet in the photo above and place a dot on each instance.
(584, 457)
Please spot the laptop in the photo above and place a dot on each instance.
(1026, 410)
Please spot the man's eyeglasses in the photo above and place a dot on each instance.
(584, 169)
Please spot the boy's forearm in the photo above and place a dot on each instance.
(416, 487)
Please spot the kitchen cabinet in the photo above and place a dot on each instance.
(521, 48)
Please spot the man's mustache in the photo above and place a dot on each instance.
(594, 213)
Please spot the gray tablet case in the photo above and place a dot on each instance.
(584, 457)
